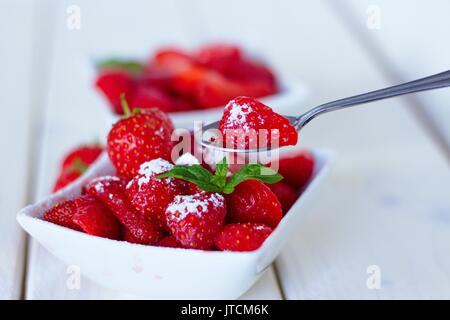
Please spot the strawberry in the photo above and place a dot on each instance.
(150, 195)
(285, 194)
(169, 242)
(151, 97)
(246, 117)
(95, 219)
(137, 138)
(214, 90)
(87, 154)
(172, 59)
(111, 191)
(296, 169)
(62, 214)
(128, 237)
(242, 236)
(253, 201)
(113, 83)
(221, 57)
(75, 163)
(195, 220)
(250, 71)
(66, 177)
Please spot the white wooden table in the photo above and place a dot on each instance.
(387, 202)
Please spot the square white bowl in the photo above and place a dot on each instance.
(159, 272)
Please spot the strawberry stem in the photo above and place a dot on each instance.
(125, 106)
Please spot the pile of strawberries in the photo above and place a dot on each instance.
(174, 80)
(152, 201)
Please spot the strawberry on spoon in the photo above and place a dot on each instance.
(236, 115)
(248, 124)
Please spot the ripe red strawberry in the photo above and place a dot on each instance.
(242, 236)
(195, 220)
(285, 194)
(66, 177)
(113, 83)
(221, 57)
(246, 116)
(138, 138)
(172, 59)
(95, 219)
(111, 191)
(250, 71)
(213, 90)
(150, 195)
(296, 169)
(169, 242)
(76, 163)
(151, 97)
(128, 237)
(62, 214)
(87, 154)
(253, 201)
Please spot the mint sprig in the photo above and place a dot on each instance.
(218, 182)
(132, 66)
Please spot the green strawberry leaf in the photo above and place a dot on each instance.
(132, 66)
(218, 182)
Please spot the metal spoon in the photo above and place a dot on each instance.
(436, 81)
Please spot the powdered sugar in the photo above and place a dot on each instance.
(193, 204)
(99, 182)
(187, 159)
(238, 115)
(149, 169)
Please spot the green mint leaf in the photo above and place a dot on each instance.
(195, 174)
(206, 181)
(132, 66)
(220, 176)
(254, 171)
(222, 168)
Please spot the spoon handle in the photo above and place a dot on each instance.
(435, 81)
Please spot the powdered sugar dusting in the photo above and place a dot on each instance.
(187, 159)
(238, 115)
(151, 168)
(192, 204)
(99, 182)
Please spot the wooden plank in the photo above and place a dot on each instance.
(16, 123)
(410, 43)
(75, 112)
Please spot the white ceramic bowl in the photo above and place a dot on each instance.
(158, 272)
